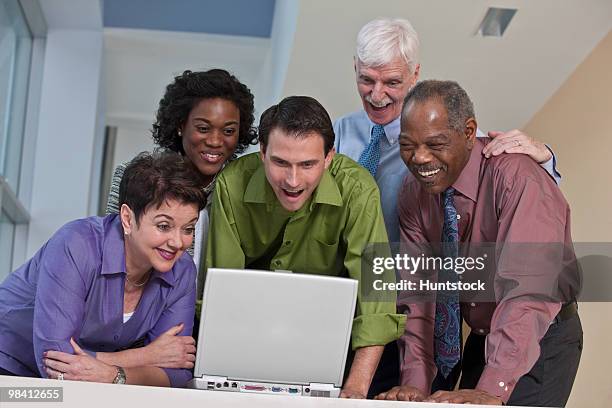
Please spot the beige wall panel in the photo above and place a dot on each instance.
(577, 122)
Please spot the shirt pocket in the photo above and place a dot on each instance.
(325, 255)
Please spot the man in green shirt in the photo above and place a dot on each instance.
(297, 206)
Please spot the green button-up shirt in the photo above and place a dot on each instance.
(250, 229)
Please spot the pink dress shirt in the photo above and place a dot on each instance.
(504, 199)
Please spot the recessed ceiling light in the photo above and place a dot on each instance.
(496, 21)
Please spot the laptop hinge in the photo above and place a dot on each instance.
(323, 390)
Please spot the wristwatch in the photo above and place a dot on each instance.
(120, 378)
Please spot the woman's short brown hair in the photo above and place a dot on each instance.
(152, 178)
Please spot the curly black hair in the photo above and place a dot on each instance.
(189, 89)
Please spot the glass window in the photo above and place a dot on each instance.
(15, 62)
(7, 231)
(15, 55)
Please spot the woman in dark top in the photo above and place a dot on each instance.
(208, 118)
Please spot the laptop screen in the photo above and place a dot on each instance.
(275, 327)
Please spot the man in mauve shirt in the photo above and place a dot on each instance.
(387, 65)
(521, 350)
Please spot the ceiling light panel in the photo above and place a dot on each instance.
(496, 21)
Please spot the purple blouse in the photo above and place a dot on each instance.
(73, 287)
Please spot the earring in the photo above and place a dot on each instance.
(180, 134)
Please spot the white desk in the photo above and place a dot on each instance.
(90, 395)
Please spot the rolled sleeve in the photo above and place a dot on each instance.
(376, 322)
(376, 329)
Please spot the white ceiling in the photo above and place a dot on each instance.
(509, 79)
(70, 14)
(139, 64)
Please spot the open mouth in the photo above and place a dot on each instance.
(167, 255)
(380, 107)
(428, 173)
(292, 194)
(212, 158)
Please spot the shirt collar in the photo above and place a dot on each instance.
(258, 190)
(468, 180)
(392, 129)
(327, 191)
(113, 252)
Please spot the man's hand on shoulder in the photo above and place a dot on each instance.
(466, 396)
(515, 141)
(402, 393)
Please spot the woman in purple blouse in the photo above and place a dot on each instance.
(102, 286)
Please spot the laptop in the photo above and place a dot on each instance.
(274, 332)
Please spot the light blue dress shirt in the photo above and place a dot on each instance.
(353, 133)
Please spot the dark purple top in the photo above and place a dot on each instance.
(73, 287)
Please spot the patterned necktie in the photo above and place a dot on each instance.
(370, 157)
(447, 329)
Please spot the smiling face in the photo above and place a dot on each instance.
(294, 166)
(160, 237)
(383, 89)
(210, 134)
(434, 153)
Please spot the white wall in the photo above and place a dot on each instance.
(508, 78)
(276, 64)
(68, 118)
(577, 122)
(139, 64)
(131, 140)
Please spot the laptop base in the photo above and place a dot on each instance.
(215, 383)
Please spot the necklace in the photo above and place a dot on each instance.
(137, 284)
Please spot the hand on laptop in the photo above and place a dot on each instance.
(171, 350)
(402, 393)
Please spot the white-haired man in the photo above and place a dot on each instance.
(387, 67)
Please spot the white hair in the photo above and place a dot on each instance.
(382, 40)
